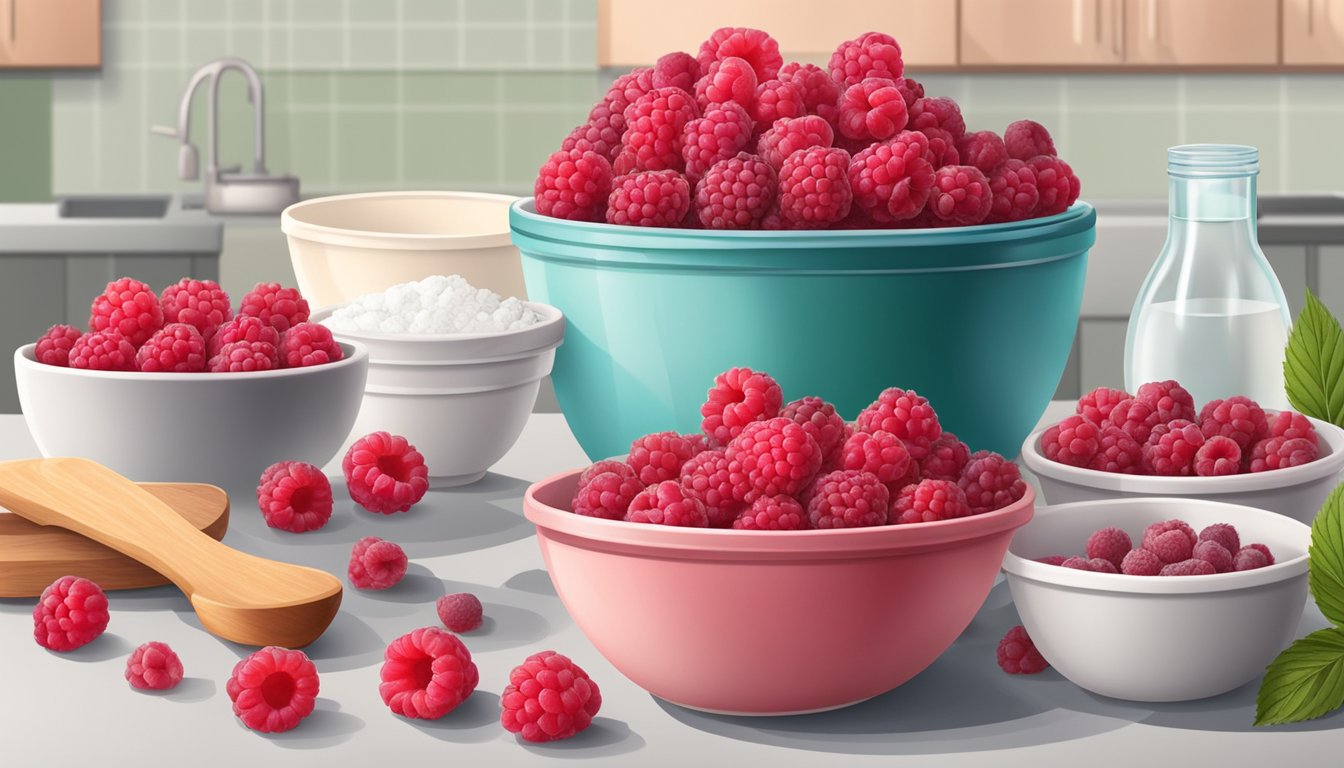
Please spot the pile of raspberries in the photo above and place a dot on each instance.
(762, 464)
(1159, 432)
(1168, 548)
(190, 328)
(734, 138)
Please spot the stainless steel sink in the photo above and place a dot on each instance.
(114, 207)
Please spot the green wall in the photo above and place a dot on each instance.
(25, 138)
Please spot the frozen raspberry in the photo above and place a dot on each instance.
(243, 328)
(53, 348)
(751, 45)
(1093, 564)
(1017, 654)
(676, 70)
(548, 698)
(1026, 139)
(1057, 184)
(649, 199)
(245, 356)
(1223, 534)
(1052, 559)
(199, 303)
(71, 612)
(1117, 452)
(610, 111)
(667, 503)
(1218, 456)
(103, 351)
(937, 112)
(174, 348)
(731, 79)
(821, 94)
(1073, 441)
(961, 195)
(294, 496)
(596, 135)
(153, 666)
(384, 473)
(1171, 449)
(737, 193)
(1215, 554)
(573, 184)
(872, 110)
(426, 674)
(376, 564)
(739, 397)
(460, 611)
(870, 55)
(1289, 424)
(788, 135)
(606, 494)
(848, 498)
(1172, 541)
(307, 344)
(1252, 556)
(819, 419)
(273, 689)
(774, 456)
(892, 181)
(1141, 562)
(708, 477)
(283, 308)
(128, 307)
(928, 501)
(946, 459)
(724, 130)
(655, 126)
(659, 456)
(776, 100)
(1013, 185)
(1237, 417)
(982, 149)
(1168, 399)
(905, 414)
(772, 513)
(1136, 417)
(880, 453)
(1190, 567)
(814, 186)
(942, 147)
(991, 482)
(1281, 453)
(1109, 544)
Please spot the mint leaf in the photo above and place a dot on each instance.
(1326, 557)
(1305, 681)
(1313, 364)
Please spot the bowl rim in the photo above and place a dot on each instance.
(1017, 566)
(356, 354)
(291, 223)
(550, 314)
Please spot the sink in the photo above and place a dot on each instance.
(114, 207)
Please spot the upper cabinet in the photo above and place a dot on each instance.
(1202, 32)
(1313, 32)
(50, 33)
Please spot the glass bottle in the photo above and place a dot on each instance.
(1211, 313)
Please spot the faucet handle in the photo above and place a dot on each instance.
(163, 130)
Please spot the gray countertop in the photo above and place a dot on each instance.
(29, 228)
(1316, 219)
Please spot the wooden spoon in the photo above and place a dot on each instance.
(237, 596)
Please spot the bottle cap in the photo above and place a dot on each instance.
(1213, 161)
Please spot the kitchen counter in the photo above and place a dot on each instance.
(64, 708)
(33, 228)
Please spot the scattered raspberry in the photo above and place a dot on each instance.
(606, 494)
(946, 459)
(1171, 448)
(1073, 441)
(788, 135)
(606, 465)
(1016, 196)
(991, 482)
(906, 415)
(772, 513)
(460, 612)
(573, 184)
(776, 100)
(676, 70)
(1093, 564)
(731, 79)
(658, 457)
(102, 351)
(961, 195)
(1017, 654)
(1252, 556)
(548, 698)
(774, 456)
(1141, 562)
(1223, 534)
(819, 419)
(872, 110)
(283, 308)
(880, 453)
(426, 674)
(53, 347)
(1215, 554)
(937, 112)
(655, 126)
(724, 131)
(1111, 544)
(1057, 184)
(1026, 139)
(708, 477)
(307, 344)
(821, 94)
(1290, 424)
(1237, 417)
(928, 501)
(754, 46)
(982, 149)
(1281, 453)
(71, 612)
(649, 199)
(294, 496)
(667, 503)
(273, 689)
(128, 307)
(738, 193)
(892, 181)
(243, 328)
(814, 186)
(622, 93)
(1096, 406)
(1190, 567)
(245, 356)
(1117, 452)
(596, 135)
(198, 303)
(1052, 559)
(384, 473)
(1172, 541)
(1168, 399)
(848, 499)
(376, 564)
(739, 397)
(942, 147)
(870, 55)
(1218, 456)
(174, 348)
(1136, 417)
(153, 666)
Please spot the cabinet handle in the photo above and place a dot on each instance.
(1118, 34)
(1152, 21)
(1311, 18)
(1077, 22)
(13, 20)
(1096, 8)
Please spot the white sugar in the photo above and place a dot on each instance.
(435, 305)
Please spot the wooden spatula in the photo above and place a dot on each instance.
(237, 596)
(33, 556)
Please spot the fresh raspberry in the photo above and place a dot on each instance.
(772, 513)
(307, 344)
(1057, 184)
(776, 100)
(1136, 417)
(667, 503)
(596, 135)
(1117, 452)
(174, 348)
(376, 564)
(905, 414)
(1016, 196)
(460, 611)
(426, 674)
(199, 303)
(880, 453)
(1073, 441)
(942, 147)
(1281, 453)
(1093, 564)
(928, 501)
(676, 70)
(814, 186)
(606, 494)
(821, 94)
(1172, 541)
(283, 308)
(774, 456)
(724, 130)
(1289, 424)
(991, 482)
(1026, 139)
(273, 689)
(548, 698)
(982, 149)
(1223, 534)
(937, 112)
(892, 181)
(708, 477)
(1252, 556)
(243, 328)
(103, 351)
(129, 307)
(737, 193)
(1052, 559)
(870, 55)
(624, 90)
(294, 496)
(1017, 654)
(1237, 417)
(739, 397)
(754, 46)
(700, 443)
(1168, 399)
(605, 465)
(659, 456)
(649, 199)
(384, 473)
(71, 612)
(848, 498)
(1171, 448)
(655, 126)
(1218, 456)
(153, 666)
(819, 419)
(1191, 567)
(573, 184)
(946, 459)
(731, 79)
(1141, 562)
(872, 110)
(1110, 544)
(1215, 554)
(788, 135)
(961, 195)
(53, 347)
(245, 356)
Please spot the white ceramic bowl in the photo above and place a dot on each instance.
(348, 245)
(1155, 638)
(1297, 492)
(216, 428)
(461, 399)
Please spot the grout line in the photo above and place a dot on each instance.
(1182, 109)
(499, 129)
(144, 113)
(289, 36)
(228, 27)
(1064, 115)
(399, 112)
(345, 33)
(333, 165)
(530, 25)
(566, 32)
(437, 109)
(1285, 146)
(462, 35)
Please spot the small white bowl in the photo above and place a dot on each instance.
(1157, 638)
(461, 399)
(1297, 492)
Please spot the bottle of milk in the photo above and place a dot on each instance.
(1212, 313)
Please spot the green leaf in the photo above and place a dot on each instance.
(1326, 557)
(1313, 364)
(1305, 681)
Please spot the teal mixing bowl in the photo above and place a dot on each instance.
(979, 320)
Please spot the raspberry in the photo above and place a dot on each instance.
(1016, 196)
(460, 612)
(751, 45)
(961, 195)
(294, 496)
(1052, 559)
(1215, 554)
(623, 92)
(1096, 406)
(128, 307)
(667, 503)
(245, 356)
(1190, 567)
(283, 308)
(376, 564)
(819, 419)
(1172, 541)
(821, 94)
(1250, 557)
(776, 100)
(906, 415)
(946, 459)
(606, 494)
(872, 110)
(573, 184)
(174, 348)
(1237, 417)
(1093, 564)
(426, 674)
(1117, 452)
(937, 112)
(737, 193)
(596, 135)
(880, 453)
(1168, 399)
(723, 131)
(243, 328)
(982, 149)
(655, 126)
(308, 344)
(942, 147)
(649, 199)
(739, 397)
(153, 666)
(606, 465)
(1110, 544)
(1017, 654)
(384, 473)
(707, 476)
(772, 513)
(102, 351)
(929, 501)
(659, 456)
(676, 70)
(1141, 562)
(870, 55)
(199, 303)
(774, 456)
(1221, 533)
(53, 347)
(1026, 139)
(892, 181)
(788, 135)
(991, 482)
(848, 498)
(731, 79)
(1057, 184)
(1073, 441)
(1281, 453)
(1289, 424)
(1171, 449)
(273, 689)
(814, 186)
(548, 698)
(1136, 417)
(699, 443)
(1218, 456)
(71, 612)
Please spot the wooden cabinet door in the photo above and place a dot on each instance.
(1202, 32)
(1313, 32)
(1042, 33)
(50, 33)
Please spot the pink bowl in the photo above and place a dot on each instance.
(768, 623)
